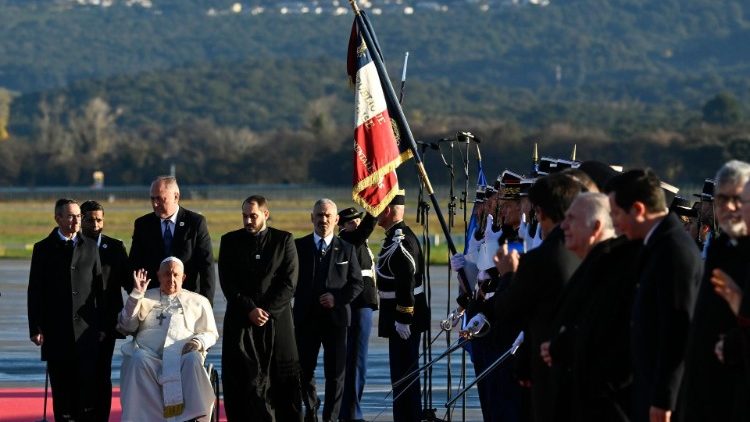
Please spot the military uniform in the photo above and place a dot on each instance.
(402, 299)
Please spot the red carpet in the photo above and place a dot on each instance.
(27, 405)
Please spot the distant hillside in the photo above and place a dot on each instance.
(132, 89)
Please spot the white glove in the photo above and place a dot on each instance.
(403, 330)
(475, 325)
(458, 260)
(488, 227)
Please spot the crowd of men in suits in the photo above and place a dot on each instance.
(623, 318)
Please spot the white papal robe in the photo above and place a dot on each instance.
(157, 381)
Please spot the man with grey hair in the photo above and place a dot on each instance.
(162, 368)
(172, 230)
(329, 279)
(577, 383)
(708, 386)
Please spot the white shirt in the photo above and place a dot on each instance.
(172, 222)
(326, 239)
(65, 238)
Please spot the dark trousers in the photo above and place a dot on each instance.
(333, 338)
(499, 392)
(104, 379)
(357, 344)
(74, 386)
(403, 356)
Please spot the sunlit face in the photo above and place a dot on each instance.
(579, 235)
(171, 275)
(351, 225)
(526, 206)
(254, 217)
(164, 199)
(511, 212)
(69, 219)
(324, 218)
(93, 223)
(729, 210)
(624, 221)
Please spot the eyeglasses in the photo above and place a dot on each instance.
(736, 200)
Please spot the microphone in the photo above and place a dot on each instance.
(428, 144)
(517, 343)
(468, 136)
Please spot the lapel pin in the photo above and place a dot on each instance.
(104, 246)
(182, 223)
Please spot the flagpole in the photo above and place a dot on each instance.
(405, 131)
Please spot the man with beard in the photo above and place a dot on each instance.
(669, 271)
(329, 279)
(115, 272)
(708, 385)
(258, 274)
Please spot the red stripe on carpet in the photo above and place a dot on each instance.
(27, 405)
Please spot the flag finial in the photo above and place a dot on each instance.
(573, 154)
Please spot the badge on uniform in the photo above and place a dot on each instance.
(257, 256)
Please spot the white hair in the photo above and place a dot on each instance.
(596, 207)
(172, 259)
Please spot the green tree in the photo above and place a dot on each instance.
(723, 109)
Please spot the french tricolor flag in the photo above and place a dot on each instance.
(376, 152)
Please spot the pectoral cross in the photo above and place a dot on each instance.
(161, 318)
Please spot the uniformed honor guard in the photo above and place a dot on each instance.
(404, 314)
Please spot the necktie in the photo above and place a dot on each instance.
(322, 248)
(167, 238)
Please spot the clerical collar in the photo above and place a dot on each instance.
(65, 238)
(326, 239)
(172, 218)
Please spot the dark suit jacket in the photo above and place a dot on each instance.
(65, 299)
(358, 238)
(708, 385)
(670, 272)
(344, 281)
(269, 285)
(115, 275)
(192, 244)
(530, 300)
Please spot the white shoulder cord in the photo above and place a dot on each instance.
(385, 254)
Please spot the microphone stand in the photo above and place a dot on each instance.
(423, 218)
(510, 352)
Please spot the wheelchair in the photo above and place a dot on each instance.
(213, 375)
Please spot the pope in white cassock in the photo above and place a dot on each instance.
(162, 374)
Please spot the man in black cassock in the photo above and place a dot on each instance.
(258, 274)
(115, 270)
(708, 386)
(66, 313)
(669, 272)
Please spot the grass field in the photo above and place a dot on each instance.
(23, 223)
